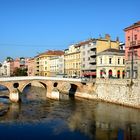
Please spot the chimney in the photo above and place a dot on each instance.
(107, 36)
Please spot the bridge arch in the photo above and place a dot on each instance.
(73, 89)
(5, 87)
(70, 88)
(30, 83)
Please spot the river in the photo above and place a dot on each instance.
(68, 119)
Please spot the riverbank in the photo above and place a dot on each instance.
(119, 91)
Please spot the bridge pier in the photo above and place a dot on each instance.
(54, 94)
(14, 95)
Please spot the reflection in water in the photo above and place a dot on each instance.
(40, 118)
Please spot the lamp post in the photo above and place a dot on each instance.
(132, 61)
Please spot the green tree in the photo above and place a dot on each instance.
(9, 59)
(20, 72)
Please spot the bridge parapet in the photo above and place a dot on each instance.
(21, 78)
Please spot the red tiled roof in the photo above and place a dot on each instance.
(51, 52)
(137, 24)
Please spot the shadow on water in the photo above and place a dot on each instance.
(68, 119)
(72, 91)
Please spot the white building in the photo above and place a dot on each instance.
(5, 69)
(57, 65)
(111, 64)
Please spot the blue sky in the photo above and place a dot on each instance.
(28, 27)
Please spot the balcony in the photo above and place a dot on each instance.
(93, 67)
(134, 44)
(93, 47)
(93, 54)
(92, 60)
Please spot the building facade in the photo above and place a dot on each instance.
(89, 50)
(57, 65)
(44, 65)
(132, 51)
(31, 67)
(72, 61)
(5, 69)
(111, 64)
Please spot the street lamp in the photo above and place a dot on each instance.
(134, 43)
(132, 61)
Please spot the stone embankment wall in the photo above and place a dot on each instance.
(124, 92)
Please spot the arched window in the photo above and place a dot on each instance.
(110, 73)
(123, 74)
(101, 73)
(118, 73)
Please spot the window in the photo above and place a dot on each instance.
(83, 65)
(100, 60)
(128, 38)
(76, 65)
(83, 59)
(110, 73)
(129, 56)
(135, 37)
(83, 53)
(101, 73)
(94, 43)
(135, 55)
(118, 74)
(123, 74)
(110, 60)
(123, 61)
(118, 61)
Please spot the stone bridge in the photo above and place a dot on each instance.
(53, 86)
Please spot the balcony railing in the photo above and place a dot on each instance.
(93, 54)
(92, 67)
(134, 43)
(93, 47)
(92, 61)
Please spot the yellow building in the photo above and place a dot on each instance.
(42, 62)
(106, 43)
(111, 64)
(72, 61)
(89, 50)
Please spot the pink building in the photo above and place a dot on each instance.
(18, 63)
(31, 67)
(132, 50)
